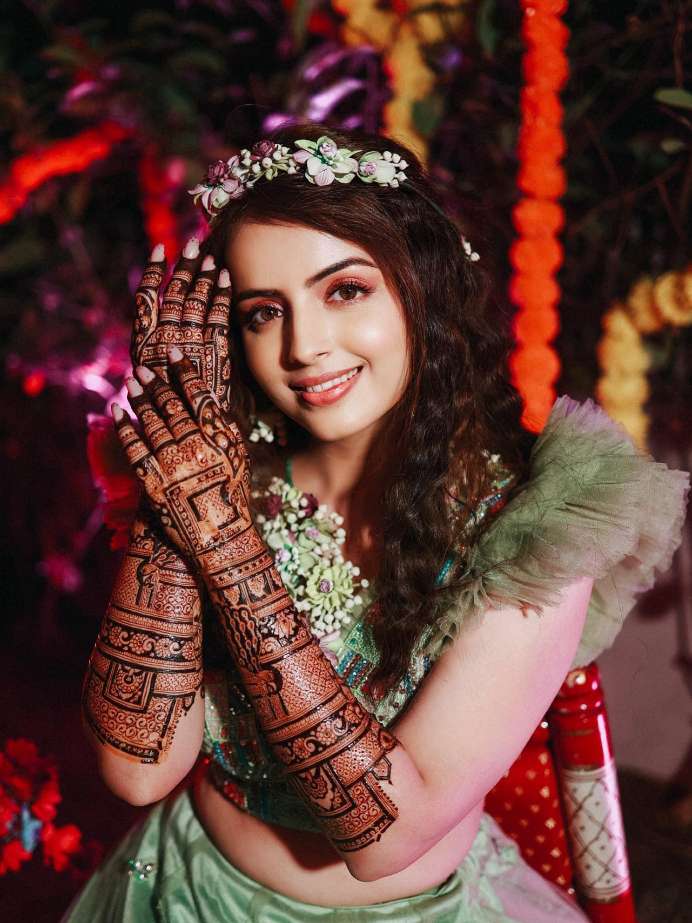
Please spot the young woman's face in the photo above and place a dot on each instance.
(310, 304)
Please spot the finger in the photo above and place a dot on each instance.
(178, 284)
(219, 314)
(170, 408)
(146, 302)
(156, 432)
(189, 381)
(197, 298)
(136, 450)
(217, 372)
(225, 437)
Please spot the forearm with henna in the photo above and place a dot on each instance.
(333, 750)
(196, 473)
(146, 664)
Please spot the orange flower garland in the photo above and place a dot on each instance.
(159, 183)
(71, 155)
(538, 218)
(651, 305)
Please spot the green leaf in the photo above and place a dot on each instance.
(486, 32)
(427, 114)
(151, 19)
(200, 58)
(674, 96)
(21, 254)
(672, 145)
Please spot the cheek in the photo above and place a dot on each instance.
(382, 340)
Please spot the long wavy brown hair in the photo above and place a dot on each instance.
(459, 402)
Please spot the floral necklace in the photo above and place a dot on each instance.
(305, 538)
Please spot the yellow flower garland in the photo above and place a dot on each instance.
(623, 389)
(400, 41)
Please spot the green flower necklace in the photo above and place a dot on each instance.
(305, 538)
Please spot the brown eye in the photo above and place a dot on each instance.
(353, 288)
(253, 323)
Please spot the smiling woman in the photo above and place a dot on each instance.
(375, 659)
(324, 323)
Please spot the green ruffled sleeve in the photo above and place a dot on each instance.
(593, 505)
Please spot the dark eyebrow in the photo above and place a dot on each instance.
(313, 280)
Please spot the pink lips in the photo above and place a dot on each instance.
(320, 398)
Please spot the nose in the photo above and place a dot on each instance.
(308, 334)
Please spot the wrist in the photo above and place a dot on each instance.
(224, 564)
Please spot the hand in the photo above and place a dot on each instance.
(185, 319)
(193, 463)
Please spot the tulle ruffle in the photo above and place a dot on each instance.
(593, 505)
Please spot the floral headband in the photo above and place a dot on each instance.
(321, 162)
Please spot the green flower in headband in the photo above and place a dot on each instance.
(325, 162)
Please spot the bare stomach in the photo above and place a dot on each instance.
(304, 866)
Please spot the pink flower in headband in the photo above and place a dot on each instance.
(262, 149)
(222, 183)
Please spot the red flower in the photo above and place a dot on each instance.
(12, 855)
(44, 807)
(24, 753)
(113, 476)
(59, 843)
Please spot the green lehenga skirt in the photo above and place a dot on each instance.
(166, 869)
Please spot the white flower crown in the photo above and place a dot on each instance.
(322, 162)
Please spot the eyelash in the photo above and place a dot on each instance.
(253, 325)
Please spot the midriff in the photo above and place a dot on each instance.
(304, 865)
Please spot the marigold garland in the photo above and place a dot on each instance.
(650, 306)
(71, 155)
(159, 183)
(399, 32)
(537, 254)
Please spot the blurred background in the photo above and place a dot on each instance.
(568, 132)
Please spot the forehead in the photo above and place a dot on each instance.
(268, 253)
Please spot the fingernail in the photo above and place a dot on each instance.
(144, 374)
(174, 353)
(191, 250)
(117, 412)
(134, 389)
(224, 278)
(157, 254)
(208, 263)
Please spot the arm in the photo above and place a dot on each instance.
(139, 700)
(139, 697)
(396, 791)
(384, 797)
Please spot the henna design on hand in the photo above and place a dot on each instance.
(146, 665)
(193, 464)
(193, 315)
(332, 749)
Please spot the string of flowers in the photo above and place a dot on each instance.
(537, 254)
(159, 183)
(400, 31)
(651, 304)
(71, 155)
(29, 794)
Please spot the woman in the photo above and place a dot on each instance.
(357, 700)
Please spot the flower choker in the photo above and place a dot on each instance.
(321, 162)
